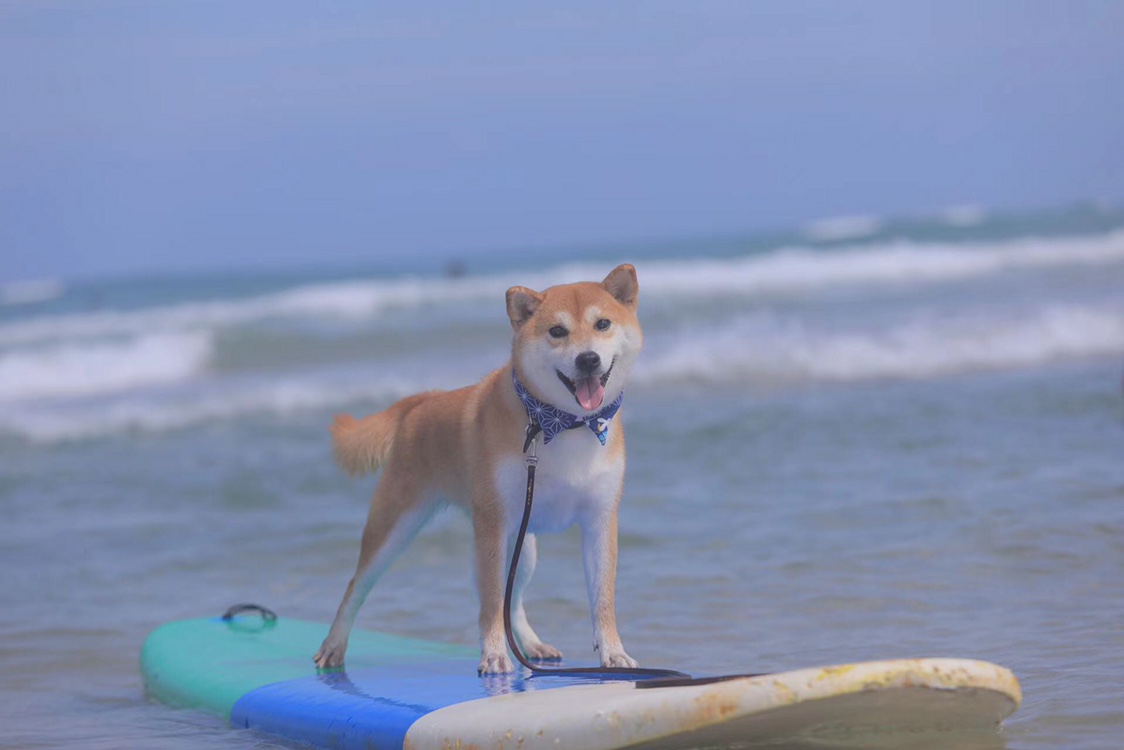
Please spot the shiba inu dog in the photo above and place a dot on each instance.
(573, 348)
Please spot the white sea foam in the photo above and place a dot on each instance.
(47, 422)
(894, 264)
(765, 350)
(101, 367)
(340, 300)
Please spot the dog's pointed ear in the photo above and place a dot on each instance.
(521, 305)
(621, 283)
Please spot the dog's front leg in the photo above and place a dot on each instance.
(599, 553)
(530, 643)
(488, 531)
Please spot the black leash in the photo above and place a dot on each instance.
(665, 677)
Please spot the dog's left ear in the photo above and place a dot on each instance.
(521, 305)
(621, 283)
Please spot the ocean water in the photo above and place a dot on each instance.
(861, 439)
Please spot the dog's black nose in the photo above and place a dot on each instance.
(587, 362)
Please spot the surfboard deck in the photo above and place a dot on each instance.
(403, 692)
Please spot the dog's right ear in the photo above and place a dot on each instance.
(521, 305)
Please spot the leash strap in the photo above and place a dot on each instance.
(609, 673)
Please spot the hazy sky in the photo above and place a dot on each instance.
(168, 136)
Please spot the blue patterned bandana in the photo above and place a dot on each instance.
(553, 420)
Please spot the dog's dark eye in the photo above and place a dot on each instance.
(558, 332)
(603, 324)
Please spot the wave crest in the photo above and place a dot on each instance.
(765, 351)
(100, 368)
(778, 272)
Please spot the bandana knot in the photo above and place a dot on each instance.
(553, 420)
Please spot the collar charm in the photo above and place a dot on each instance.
(553, 420)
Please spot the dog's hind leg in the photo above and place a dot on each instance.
(532, 646)
(398, 512)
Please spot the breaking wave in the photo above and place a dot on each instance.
(102, 367)
(106, 372)
(44, 424)
(897, 263)
(766, 351)
(776, 272)
(761, 350)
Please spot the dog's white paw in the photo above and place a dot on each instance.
(494, 662)
(541, 652)
(618, 659)
(330, 654)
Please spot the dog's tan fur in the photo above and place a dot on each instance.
(465, 447)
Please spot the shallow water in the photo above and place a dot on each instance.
(781, 511)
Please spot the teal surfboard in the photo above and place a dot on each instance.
(401, 692)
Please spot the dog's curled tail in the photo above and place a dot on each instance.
(362, 445)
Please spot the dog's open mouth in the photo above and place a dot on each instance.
(589, 392)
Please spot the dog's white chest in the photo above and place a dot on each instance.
(576, 478)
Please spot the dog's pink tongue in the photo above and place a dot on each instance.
(590, 393)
